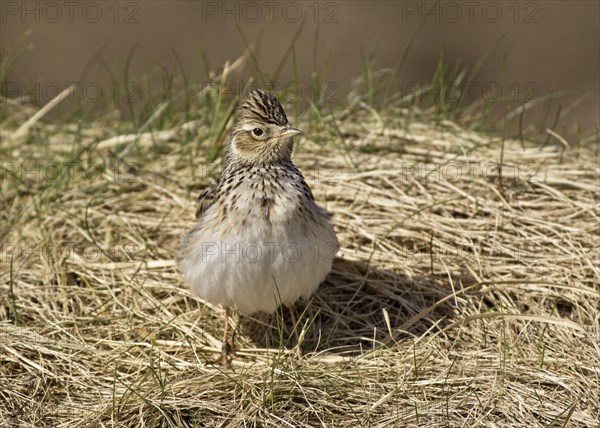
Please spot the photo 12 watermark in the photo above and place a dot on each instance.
(491, 251)
(68, 172)
(325, 92)
(290, 12)
(462, 12)
(267, 252)
(49, 251)
(462, 171)
(54, 12)
(315, 172)
(467, 92)
(89, 92)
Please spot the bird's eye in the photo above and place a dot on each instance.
(257, 131)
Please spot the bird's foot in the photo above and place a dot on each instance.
(227, 354)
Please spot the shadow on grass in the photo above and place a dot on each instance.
(347, 314)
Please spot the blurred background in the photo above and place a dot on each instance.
(538, 50)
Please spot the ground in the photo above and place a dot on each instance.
(466, 291)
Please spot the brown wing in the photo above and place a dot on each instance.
(205, 199)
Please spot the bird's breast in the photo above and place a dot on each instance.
(268, 198)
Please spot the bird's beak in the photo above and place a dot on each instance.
(288, 132)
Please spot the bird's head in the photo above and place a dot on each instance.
(261, 131)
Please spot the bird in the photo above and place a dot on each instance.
(260, 239)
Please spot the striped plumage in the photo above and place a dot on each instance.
(260, 239)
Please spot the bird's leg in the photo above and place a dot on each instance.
(226, 349)
(296, 333)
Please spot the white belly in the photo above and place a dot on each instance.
(259, 266)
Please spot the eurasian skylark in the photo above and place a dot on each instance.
(260, 239)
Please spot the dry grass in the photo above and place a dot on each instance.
(458, 298)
